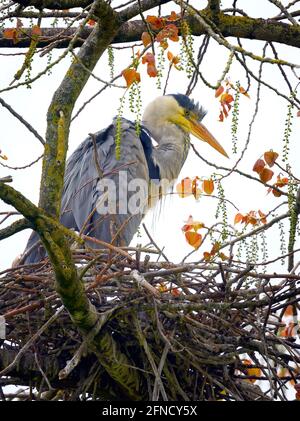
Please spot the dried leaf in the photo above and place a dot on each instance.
(162, 288)
(193, 238)
(192, 225)
(155, 22)
(148, 58)
(207, 256)
(215, 248)
(270, 157)
(173, 59)
(219, 91)
(131, 76)
(164, 44)
(175, 292)
(259, 166)
(152, 70)
(276, 193)
(184, 188)
(173, 17)
(11, 33)
(244, 92)
(263, 217)
(223, 256)
(253, 371)
(226, 98)
(265, 175)
(289, 311)
(238, 218)
(168, 32)
(208, 186)
(91, 22)
(146, 38)
(36, 30)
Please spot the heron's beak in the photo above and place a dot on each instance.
(200, 131)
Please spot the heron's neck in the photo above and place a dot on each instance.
(172, 149)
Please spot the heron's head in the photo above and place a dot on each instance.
(183, 112)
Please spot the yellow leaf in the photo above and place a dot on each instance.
(208, 186)
(193, 238)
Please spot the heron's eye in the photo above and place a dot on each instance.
(187, 113)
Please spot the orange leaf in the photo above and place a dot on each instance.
(221, 116)
(175, 292)
(146, 38)
(219, 91)
(263, 217)
(266, 175)
(11, 33)
(170, 31)
(36, 30)
(208, 186)
(276, 193)
(191, 224)
(225, 110)
(164, 44)
(254, 371)
(194, 239)
(226, 98)
(281, 182)
(156, 22)
(238, 218)
(270, 157)
(173, 59)
(288, 311)
(223, 256)
(131, 76)
(91, 22)
(148, 58)
(173, 16)
(207, 256)
(244, 92)
(184, 188)
(152, 70)
(259, 166)
(215, 248)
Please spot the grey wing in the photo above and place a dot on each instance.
(107, 208)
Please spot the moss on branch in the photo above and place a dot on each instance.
(131, 31)
(14, 228)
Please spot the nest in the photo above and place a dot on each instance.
(192, 331)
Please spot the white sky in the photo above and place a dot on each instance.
(21, 147)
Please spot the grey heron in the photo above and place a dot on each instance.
(168, 120)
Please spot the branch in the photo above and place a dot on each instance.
(54, 4)
(214, 6)
(228, 25)
(14, 228)
(72, 292)
(137, 8)
(21, 119)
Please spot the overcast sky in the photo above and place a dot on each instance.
(21, 147)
